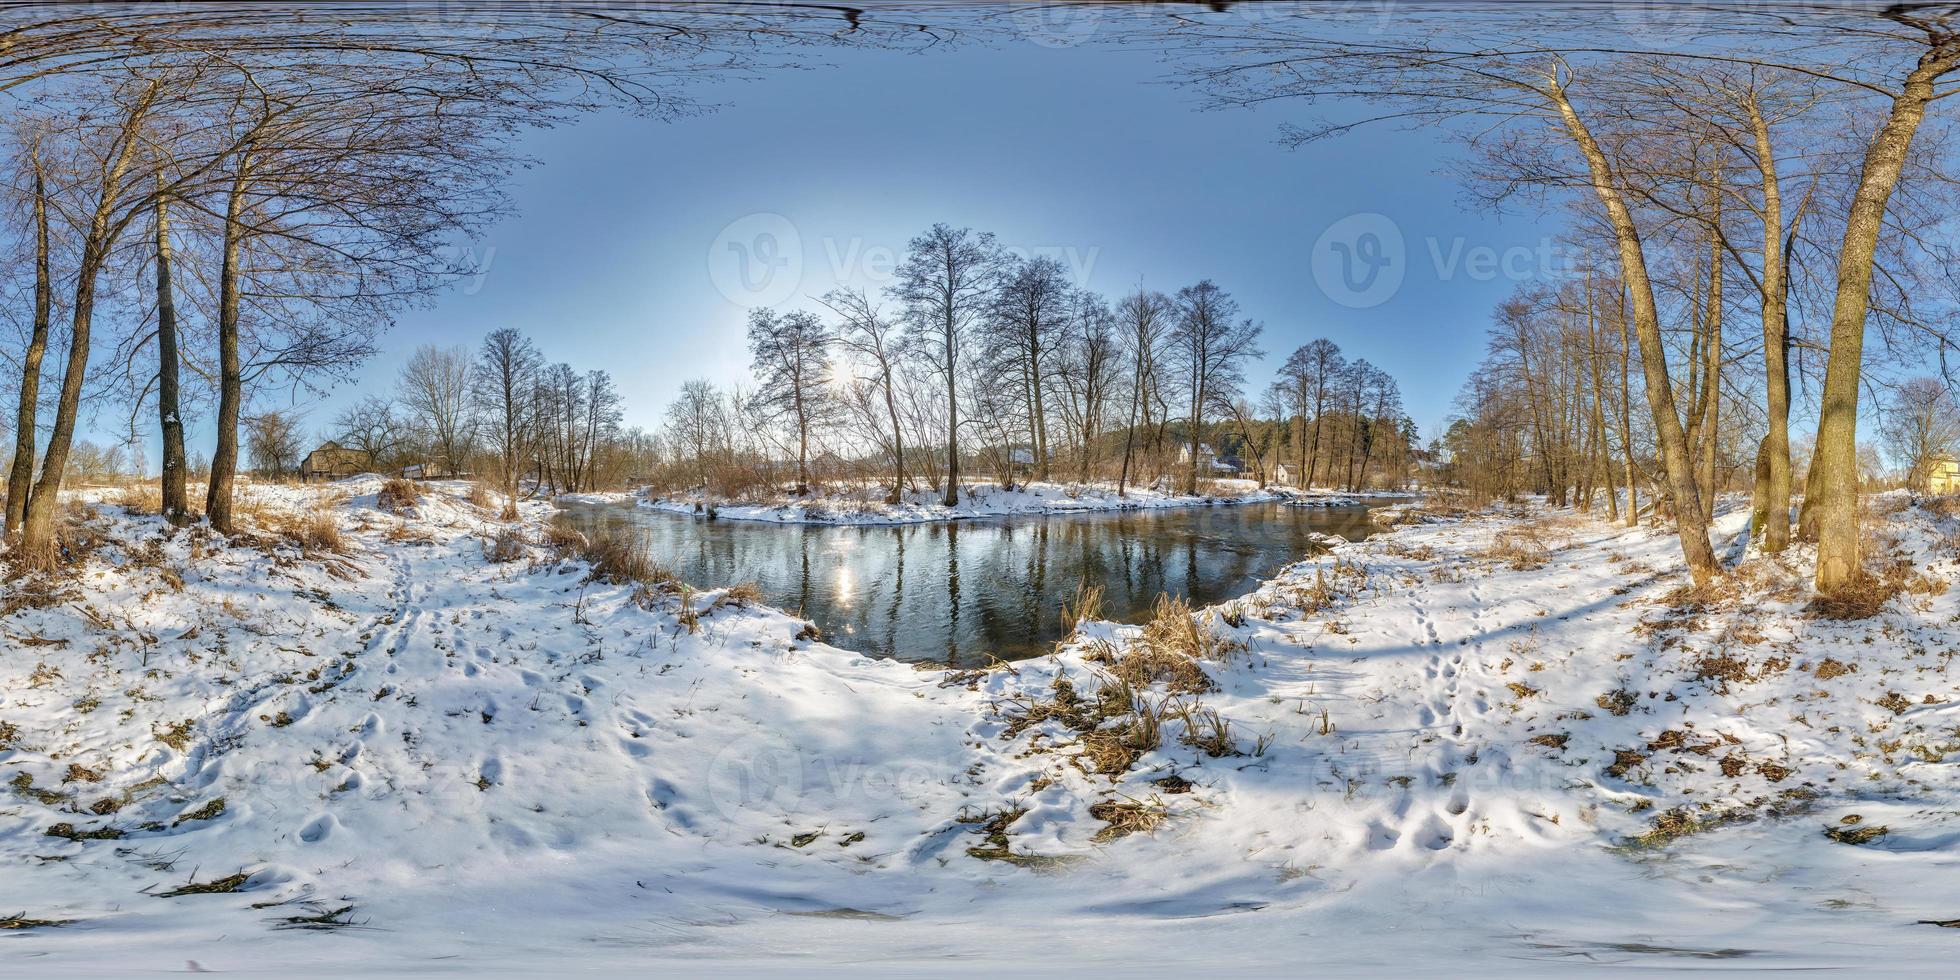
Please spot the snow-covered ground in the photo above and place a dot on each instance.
(1486, 745)
(982, 500)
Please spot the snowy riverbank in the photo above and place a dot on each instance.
(1491, 744)
(985, 500)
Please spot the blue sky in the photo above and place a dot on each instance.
(1088, 153)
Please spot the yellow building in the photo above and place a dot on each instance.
(1943, 475)
(332, 461)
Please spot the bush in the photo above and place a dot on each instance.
(564, 542)
(623, 557)
(399, 496)
(507, 546)
(316, 531)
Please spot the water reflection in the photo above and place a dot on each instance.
(960, 592)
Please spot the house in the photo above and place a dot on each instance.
(1228, 464)
(1943, 474)
(1205, 453)
(332, 461)
(1283, 473)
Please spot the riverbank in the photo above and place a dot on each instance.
(984, 500)
(1488, 743)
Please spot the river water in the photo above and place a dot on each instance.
(964, 592)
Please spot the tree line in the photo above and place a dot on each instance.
(1783, 171)
(209, 204)
(974, 357)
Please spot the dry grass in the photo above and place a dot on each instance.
(1206, 730)
(216, 886)
(1085, 606)
(622, 557)
(1174, 628)
(563, 541)
(740, 594)
(1523, 548)
(506, 546)
(1861, 598)
(1114, 750)
(398, 496)
(1127, 817)
(481, 500)
(140, 498)
(316, 532)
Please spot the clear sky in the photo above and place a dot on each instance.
(625, 254)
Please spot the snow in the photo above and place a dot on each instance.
(982, 500)
(507, 768)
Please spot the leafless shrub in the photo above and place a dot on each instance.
(564, 542)
(1523, 548)
(398, 496)
(506, 546)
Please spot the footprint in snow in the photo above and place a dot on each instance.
(319, 828)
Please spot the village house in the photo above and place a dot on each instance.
(332, 461)
(1943, 474)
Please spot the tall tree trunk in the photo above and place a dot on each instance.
(37, 523)
(20, 479)
(231, 382)
(1712, 371)
(898, 440)
(1626, 416)
(176, 508)
(1695, 547)
(952, 497)
(1834, 465)
(1773, 529)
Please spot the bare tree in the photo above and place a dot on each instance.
(107, 216)
(946, 283)
(374, 428)
(1145, 319)
(273, 441)
(1029, 312)
(1920, 424)
(434, 389)
(20, 477)
(1211, 347)
(876, 342)
(501, 388)
(792, 368)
